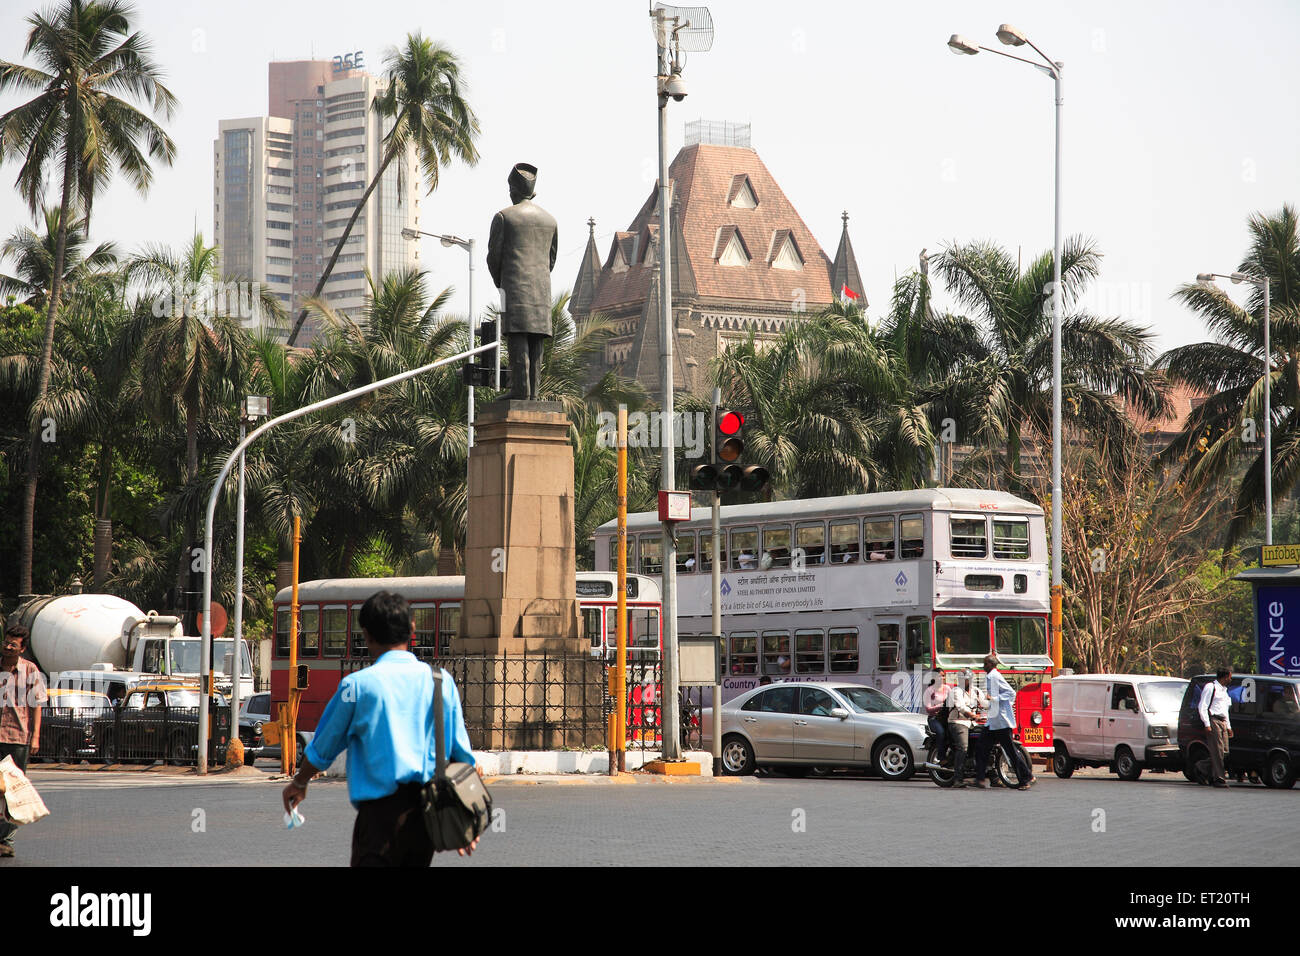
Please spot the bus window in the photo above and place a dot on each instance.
(811, 539)
(652, 554)
(744, 653)
(887, 637)
(878, 539)
(1011, 539)
(912, 532)
(1021, 635)
(336, 632)
(776, 548)
(918, 642)
(613, 553)
(686, 553)
(359, 648)
(643, 631)
(706, 551)
(969, 536)
(961, 635)
(744, 550)
(844, 542)
(448, 627)
(809, 652)
(425, 619)
(282, 632)
(776, 653)
(591, 626)
(844, 650)
(309, 632)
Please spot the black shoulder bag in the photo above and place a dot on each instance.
(457, 807)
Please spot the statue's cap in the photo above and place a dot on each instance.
(523, 179)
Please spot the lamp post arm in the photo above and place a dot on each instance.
(1049, 70)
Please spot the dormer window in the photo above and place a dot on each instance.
(729, 247)
(742, 194)
(785, 251)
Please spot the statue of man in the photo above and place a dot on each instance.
(521, 254)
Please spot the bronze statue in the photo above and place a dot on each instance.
(521, 255)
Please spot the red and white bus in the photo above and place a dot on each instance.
(878, 589)
(330, 641)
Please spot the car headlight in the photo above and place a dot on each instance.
(1037, 718)
(257, 728)
(1158, 732)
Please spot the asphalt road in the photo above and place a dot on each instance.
(145, 818)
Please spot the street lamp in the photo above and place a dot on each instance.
(468, 246)
(1011, 36)
(1259, 282)
(675, 29)
(252, 408)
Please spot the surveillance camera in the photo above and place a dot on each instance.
(676, 87)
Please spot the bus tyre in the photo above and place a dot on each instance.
(1126, 765)
(1062, 764)
(737, 756)
(893, 759)
(1280, 772)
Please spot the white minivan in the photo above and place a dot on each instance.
(1121, 721)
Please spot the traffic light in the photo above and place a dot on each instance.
(480, 372)
(727, 472)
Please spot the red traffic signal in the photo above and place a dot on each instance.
(730, 423)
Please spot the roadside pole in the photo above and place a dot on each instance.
(717, 597)
(289, 709)
(620, 666)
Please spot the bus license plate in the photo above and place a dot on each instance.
(1032, 735)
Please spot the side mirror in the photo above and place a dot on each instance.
(840, 712)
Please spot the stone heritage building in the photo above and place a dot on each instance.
(742, 260)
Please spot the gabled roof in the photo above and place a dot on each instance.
(584, 287)
(705, 178)
(742, 192)
(844, 272)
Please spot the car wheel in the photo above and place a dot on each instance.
(893, 759)
(178, 751)
(1126, 765)
(108, 750)
(300, 747)
(1280, 772)
(63, 751)
(1198, 765)
(737, 756)
(1062, 764)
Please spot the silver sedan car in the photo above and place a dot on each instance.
(797, 725)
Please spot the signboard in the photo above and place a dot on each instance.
(888, 584)
(1277, 629)
(349, 61)
(1279, 555)
(697, 660)
(598, 588)
(674, 506)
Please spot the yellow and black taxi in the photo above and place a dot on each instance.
(67, 726)
(158, 720)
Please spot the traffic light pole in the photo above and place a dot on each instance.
(716, 570)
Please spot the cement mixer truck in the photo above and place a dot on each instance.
(84, 639)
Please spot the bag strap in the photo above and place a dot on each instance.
(440, 771)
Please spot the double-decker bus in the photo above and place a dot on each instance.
(331, 643)
(879, 589)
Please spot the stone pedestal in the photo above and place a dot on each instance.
(520, 567)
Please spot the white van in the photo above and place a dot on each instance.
(1121, 721)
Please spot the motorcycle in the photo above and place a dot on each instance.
(942, 772)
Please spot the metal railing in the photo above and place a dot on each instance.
(115, 735)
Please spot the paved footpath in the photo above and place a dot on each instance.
(110, 818)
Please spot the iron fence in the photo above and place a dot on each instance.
(120, 735)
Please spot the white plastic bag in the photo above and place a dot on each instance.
(23, 804)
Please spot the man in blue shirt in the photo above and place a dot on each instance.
(383, 716)
(1001, 725)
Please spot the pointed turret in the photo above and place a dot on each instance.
(844, 271)
(584, 287)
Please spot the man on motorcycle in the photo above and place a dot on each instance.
(963, 705)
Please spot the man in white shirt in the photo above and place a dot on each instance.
(1000, 729)
(1213, 710)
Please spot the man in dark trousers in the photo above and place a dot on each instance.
(383, 715)
(1213, 710)
(22, 693)
(1000, 728)
(521, 254)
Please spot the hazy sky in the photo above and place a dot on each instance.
(1180, 121)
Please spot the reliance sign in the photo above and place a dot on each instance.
(1277, 629)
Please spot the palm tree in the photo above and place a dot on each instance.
(193, 350)
(34, 254)
(88, 60)
(424, 98)
(1230, 371)
(1008, 381)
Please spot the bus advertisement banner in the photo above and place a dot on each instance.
(786, 590)
(1277, 629)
